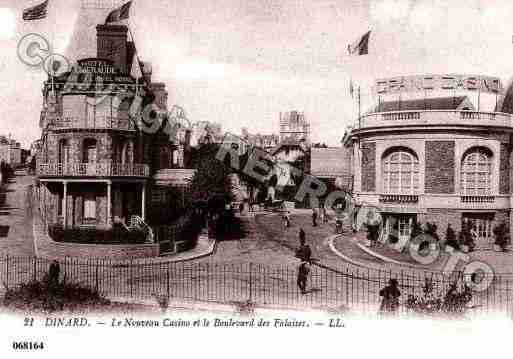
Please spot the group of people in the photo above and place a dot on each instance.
(390, 294)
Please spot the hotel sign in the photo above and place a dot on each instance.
(451, 82)
(100, 70)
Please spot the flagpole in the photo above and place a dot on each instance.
(359, 109)
(479, 95)
(136, 56)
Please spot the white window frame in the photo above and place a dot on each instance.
(414, 181)
(482, 159)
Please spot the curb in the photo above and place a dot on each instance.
(384, 258)
(211, 250)
(331, 239)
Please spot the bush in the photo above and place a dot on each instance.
(372, 232)
(51, 295)
(501, 235)
(450, 238)
(416, 229)
(431, 229)
(116, 235)
(453, 302)
(465, 237)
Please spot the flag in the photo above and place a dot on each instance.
(37, 12)
(360, 46)
(121, 13)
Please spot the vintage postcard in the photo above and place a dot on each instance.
(259, 177)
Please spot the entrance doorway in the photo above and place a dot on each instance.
(397, 227)
(483, 223)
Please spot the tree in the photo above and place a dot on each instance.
(416, 229)
(431, 229)
(450, 237)
(254, 184)
(210, 182)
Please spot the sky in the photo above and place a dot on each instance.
(240, 63)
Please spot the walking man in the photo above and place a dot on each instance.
(390, 301)
(304, 253)
(314, 217)
(286, 219)
(302, 236)
(324, 214)
(302, 276)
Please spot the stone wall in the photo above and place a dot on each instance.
(368, 166)
(440, 167)
(504, 169)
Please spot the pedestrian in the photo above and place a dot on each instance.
(324, 214)
(302, 276)
(304, 253)
(314, 217)
(53, 273)
(390, 294)
(474, 235)
(286, 219)
(302, 235)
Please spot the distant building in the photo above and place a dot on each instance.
(10, 151)
(332, 165)
(205, 132)
(294, 126)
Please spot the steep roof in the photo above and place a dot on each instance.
(437, 103)
(83, 42)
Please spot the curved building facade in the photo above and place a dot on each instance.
(443, 159)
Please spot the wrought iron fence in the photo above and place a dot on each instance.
(264, 285)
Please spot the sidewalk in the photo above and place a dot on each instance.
(16, 237)
(205, 247)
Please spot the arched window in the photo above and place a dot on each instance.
(400, 172)
(476, 172)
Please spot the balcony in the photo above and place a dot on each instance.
(98, 169)
(477, 199)
(398, 198)
(435, 117)
(174, 176)
(103, 122)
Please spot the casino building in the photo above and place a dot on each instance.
(441, 158)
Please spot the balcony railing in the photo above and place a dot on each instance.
(393, 116)
(435, 117)
(103, 122)
(107, 169)
(477, 199)
(398, 198)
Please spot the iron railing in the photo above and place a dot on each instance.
(398, 198)
(434, 117)
(261, 284)
(93, 169)
(477, 199)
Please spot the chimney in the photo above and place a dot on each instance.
(112, 44)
